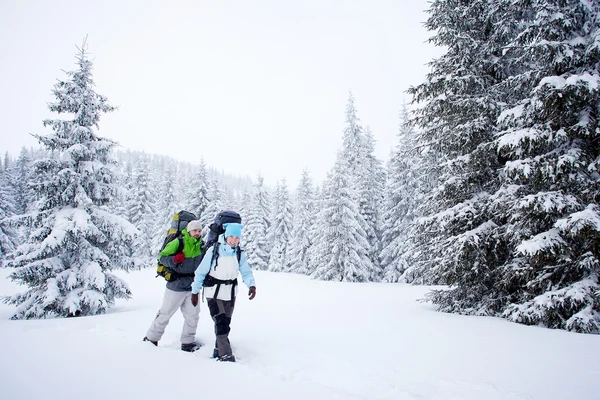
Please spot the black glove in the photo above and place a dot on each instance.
(252, 292)
(194, 299)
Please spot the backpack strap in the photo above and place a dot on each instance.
(180, 247)
(215, 255)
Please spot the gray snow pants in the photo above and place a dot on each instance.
(221, 312)
(171, 302)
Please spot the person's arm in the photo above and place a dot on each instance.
(202, 270)
(246, 271)
(165, 257)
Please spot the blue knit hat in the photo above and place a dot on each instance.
(233, 229)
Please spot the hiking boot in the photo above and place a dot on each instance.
(227, 357)
(215, 353)
(190, 347)
(154, 342)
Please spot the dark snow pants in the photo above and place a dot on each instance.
(221, 312)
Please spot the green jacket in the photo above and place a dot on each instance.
(192, 250)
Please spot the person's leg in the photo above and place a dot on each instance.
(221, 312)
(171, 302)
(191, 315)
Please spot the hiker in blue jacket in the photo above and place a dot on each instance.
(217, 273)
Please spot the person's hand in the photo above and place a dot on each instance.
(252, 292)
(179, 257)
(194, 299)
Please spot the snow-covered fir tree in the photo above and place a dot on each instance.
(317, 253)
(400, 203)
(458, 239)
(21, 174)
(370, 188)
(341, 255)
(367, 177)
(257, 227)
(514, 219)
(124, 180)
(74, 241)
(303, 215)
(197, 192)
(143, 214)
(280, 230)
(244, 205)
(215, 204)
(166, 206)
(549, 139)
(8, 237)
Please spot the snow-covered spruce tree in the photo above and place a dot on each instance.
(317, 253)
(365, 176)
(8, 238)
(197, 192)
(166, 206)
(21, 173)
(303, 215)
(550, 139)
(142, 213)
(370, 188)
(339, 256)
(460, 242)
(401, 202)
(244, 206)
(214, 205)
(74, 241)
(256, 227)
(280, 230)
(123, 179)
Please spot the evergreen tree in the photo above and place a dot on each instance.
(303, 216)
(280, 230)
(257, 226)
(74, 241)
(513, 224)
(317, 253)
(370, 189)
(367, 177)
(401, 201)
(142, 213)
(214, 205)
(458, 238)
(244, 206)
(8, 238)
(340, 257)
(197, 192)
(167, 206)
(21, 176)
(550, 139)
(353, 142)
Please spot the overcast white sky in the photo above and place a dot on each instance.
(250, 86)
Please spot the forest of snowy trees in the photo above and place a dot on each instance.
(492, 189)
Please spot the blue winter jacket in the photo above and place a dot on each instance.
(206, 265)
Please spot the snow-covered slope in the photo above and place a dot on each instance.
(299, 339)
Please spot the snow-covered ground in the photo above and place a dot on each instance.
(299, 339)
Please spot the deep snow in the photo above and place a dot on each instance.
(298, 339)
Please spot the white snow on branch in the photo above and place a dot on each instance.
(558, 82)
(574, 223)
(545, 241)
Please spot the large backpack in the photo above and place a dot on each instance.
(178, 223)
(216, 228)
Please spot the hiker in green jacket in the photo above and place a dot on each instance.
(178, 292)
